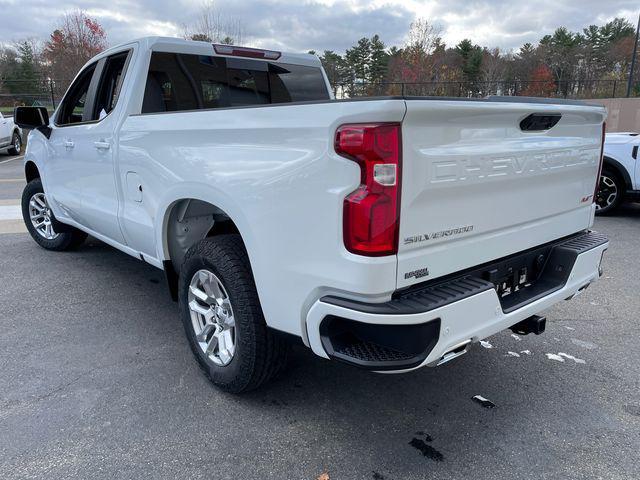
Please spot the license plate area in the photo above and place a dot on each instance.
(516, 274)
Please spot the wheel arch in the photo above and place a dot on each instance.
(31, 171)
(186, 221)
(617, 167)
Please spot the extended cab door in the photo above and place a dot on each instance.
(81, 168)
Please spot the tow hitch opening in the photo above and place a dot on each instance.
(534, 324)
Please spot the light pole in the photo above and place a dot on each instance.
(633, 59)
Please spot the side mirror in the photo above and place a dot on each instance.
(32, 118)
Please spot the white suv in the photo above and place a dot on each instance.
(10, 136)
(620, 178)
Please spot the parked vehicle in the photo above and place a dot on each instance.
(388, 233)
(620, 177)
(10, 136)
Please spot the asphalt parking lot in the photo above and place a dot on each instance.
(97, 381)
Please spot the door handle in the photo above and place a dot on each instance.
(102, 145)
(69, 144)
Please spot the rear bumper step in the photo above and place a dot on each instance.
(437, 321)
(545, 270)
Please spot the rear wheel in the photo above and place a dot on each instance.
(223, 319)
(610, 192)
(16, 144)
(41, 223)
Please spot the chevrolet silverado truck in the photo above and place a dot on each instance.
(10, 136)
(387, 233)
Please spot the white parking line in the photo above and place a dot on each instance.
(10, 212)
(20, 157)
(11, 218)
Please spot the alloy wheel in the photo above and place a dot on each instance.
(607, 192)
(40, 215)
(212, 317)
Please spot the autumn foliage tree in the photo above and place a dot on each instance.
(541, 83)
(77, 38)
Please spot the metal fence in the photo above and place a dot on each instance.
(48, 92)
(575, 89)
(32, 92)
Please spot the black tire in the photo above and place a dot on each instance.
(67, 237)
(16, 144)
(610, 184)
(260, 354)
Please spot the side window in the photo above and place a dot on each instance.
(72, 108)
(110, 85)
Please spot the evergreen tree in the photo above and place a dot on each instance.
(23, 76)
(359, 58)
(471, 57)
(379, 61)
(338, 71)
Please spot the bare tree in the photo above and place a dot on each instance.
(212, 26)
(421, 53)
(424, 37)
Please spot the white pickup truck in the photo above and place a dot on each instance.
(10, 136)
(388, 233)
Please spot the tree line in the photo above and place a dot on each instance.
(565, 63)
(28, 67)
(38, 72)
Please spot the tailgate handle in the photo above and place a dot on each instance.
(537, 122)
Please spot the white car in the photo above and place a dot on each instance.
(10, 136)
(620, 178)
(388, 233)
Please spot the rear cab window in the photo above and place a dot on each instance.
(179, 82)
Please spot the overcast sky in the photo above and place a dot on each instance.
(300, 25)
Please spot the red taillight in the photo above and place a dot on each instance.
(372, 211)
(234, 51)
(595, 190)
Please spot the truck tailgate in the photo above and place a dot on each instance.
(477, 187)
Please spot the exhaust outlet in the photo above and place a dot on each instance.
(454, 352)
(534, 324)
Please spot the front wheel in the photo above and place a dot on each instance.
(223, 319)
(16, 144)
(42, 225)
(610, 192)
